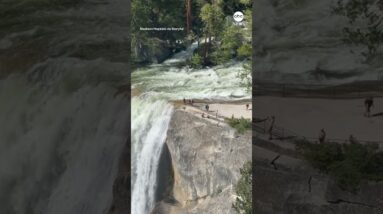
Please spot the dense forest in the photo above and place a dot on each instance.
(209, 23)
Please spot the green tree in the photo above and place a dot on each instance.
(212, 18)
(243, 202)
(244, 51)
(231, 40)
(196, 61)
(245, 74)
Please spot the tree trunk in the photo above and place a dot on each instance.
(188, 16)
(205, 50)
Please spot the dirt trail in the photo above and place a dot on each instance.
(340, 118)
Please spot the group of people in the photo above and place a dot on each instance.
(322, 137)
(188, 101)
(207, 107)
(203, 115)
(369, 103)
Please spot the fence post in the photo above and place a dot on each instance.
(264, 127)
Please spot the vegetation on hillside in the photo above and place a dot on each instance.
(348, 163)
(243, 189)
(240, 124)
(365, 27)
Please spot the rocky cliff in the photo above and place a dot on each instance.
(284, 183)
(205, 160)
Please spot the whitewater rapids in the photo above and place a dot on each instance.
(302, 42)
(62, 130)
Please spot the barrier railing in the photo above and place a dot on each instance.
(350, 90)
(281, 133)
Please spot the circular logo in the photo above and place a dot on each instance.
(238, 16)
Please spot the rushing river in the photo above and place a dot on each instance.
(151, 113)
(303, 42)
(62, 130)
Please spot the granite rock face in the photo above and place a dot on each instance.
(206, 160)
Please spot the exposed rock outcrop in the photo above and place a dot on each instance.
(206, 160)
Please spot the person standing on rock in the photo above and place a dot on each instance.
(247, 106)
(352, 139)
(207, 107)
(271, 127)
(368, 103)
(322, 136)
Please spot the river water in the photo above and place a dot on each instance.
(302, 42)
(151, 113)
(62, 130)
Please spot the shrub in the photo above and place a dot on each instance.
(241, 125)
(196, 61)
(321, 156)
(244, 51)
(243, 202)
(346, 174)
(348, 163)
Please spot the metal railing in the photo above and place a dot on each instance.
(350, 90)
(281, 133)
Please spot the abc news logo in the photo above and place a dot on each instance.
(238, 16)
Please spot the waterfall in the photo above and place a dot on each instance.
(149, 132)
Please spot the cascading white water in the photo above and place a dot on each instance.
(62, 130)
(149, 133)
(151, 113)
(297, 39)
